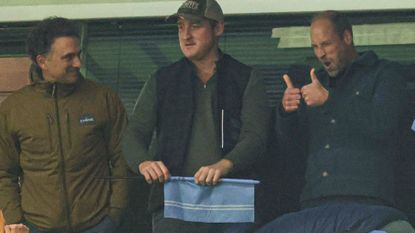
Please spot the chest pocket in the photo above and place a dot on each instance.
(84, 135)
(362, 94)
(84, 130)
(37, 139)
(36, 136)
(364, 88)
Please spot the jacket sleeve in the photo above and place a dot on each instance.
(287, 129)
(114, 133)
(141, 127)
(9, 173)
(256, 120)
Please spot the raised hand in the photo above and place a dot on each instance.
(314, 94)
(154, 171)
(292, 96)
(210, 175)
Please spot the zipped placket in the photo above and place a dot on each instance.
(222, 130)
(49, 120)
(62, 163)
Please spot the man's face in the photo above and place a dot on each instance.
(62, 63)
(329, 47)
(198, 39)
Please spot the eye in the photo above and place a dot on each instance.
(69, 57)
(196, 25)
(180, 24)
(325, 44)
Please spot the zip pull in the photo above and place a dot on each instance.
(50, 119)
(54, 90)
(222, 113)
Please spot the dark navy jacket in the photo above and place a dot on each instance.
(351, 139)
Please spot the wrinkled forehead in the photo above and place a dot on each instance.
(191, 19)
(65, 44)
(322, 29)
(322, 25)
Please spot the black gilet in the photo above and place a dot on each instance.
(175, 107)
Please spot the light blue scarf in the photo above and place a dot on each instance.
(230, 201)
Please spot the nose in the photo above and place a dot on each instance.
(185, 33)
(77, 62)
(320, 52)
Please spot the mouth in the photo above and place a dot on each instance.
(189, 44)
(327, 64)
(73, 72)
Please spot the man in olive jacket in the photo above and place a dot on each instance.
(60, 141)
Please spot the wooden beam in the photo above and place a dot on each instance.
(364, 35)
(161, 8)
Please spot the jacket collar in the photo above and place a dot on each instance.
(368, 58)
(219, 62)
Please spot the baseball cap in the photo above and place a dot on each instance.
(197, 9)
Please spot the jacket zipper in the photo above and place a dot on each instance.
(222, 116)
(49, 120)
(68, 129)
(63, 168)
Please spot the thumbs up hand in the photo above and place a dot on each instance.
(292, 96)
(314, 94)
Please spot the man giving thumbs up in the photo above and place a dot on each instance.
(349, 115)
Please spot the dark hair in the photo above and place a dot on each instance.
(213, 23)
(339, 21)
(42, 36)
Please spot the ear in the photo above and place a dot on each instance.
(219, 28)
(41, 61)
(347, 37)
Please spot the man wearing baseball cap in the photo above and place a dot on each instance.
(209, 112)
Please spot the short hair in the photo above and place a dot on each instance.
(339, 21)
(42, 36)
(213, 23)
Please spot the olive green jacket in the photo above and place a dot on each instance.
(58, 146)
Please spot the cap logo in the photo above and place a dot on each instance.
(191, 5)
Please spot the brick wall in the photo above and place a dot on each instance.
(13, 75)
